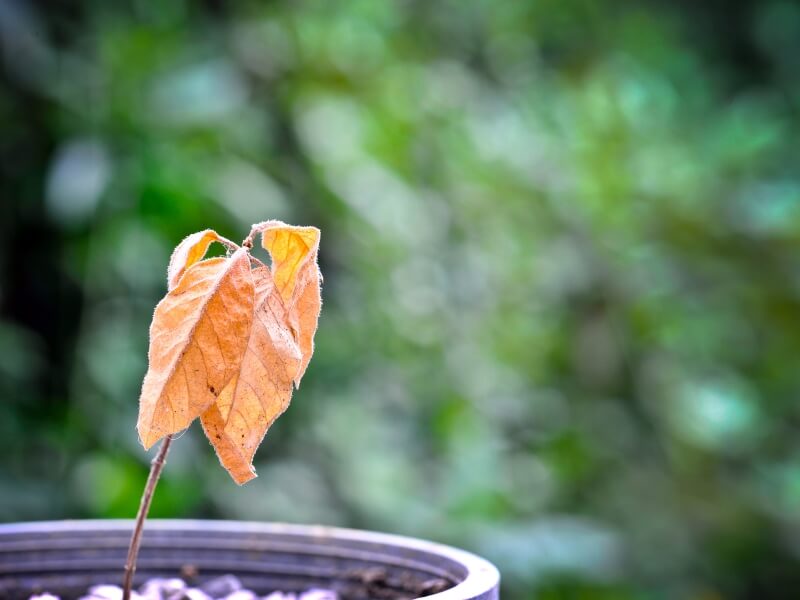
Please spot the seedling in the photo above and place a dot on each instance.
(227, 344)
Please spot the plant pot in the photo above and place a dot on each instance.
(66, 557)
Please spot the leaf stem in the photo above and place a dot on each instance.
(255, 229)
(231, 246)
(156, 466)
(248, 241)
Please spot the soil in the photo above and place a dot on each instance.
(377, 584)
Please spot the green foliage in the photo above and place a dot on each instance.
(560, 241)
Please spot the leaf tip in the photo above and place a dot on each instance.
(189, 251)
(147, 440)
(243, 478)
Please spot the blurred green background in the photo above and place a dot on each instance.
(561, 318)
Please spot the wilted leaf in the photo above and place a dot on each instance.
(197, 340)
(228, 341)
(297, 278)
(236, 423)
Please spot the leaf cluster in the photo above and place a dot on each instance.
(231, 339)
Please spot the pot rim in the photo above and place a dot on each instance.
(482, 577)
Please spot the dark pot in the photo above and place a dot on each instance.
(66, 557)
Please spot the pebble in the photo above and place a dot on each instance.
(222, 587)
(191, 594)
(160, 588)
(241, 595)
(280, 596)
(319, 594)
(108, 592)
(226, 587)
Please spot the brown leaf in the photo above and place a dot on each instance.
(227, 342)
(297, 278)
(197, 339)
(237, 422)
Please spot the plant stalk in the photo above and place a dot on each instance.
(156, 466)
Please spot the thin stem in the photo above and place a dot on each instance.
(231, 246)
(248, 241)
(255, 229)
(156, 467)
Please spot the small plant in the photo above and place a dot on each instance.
(227, 344)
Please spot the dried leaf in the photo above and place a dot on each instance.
(297, 278)
(197, 339)
(227, 342)
(237, 422)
